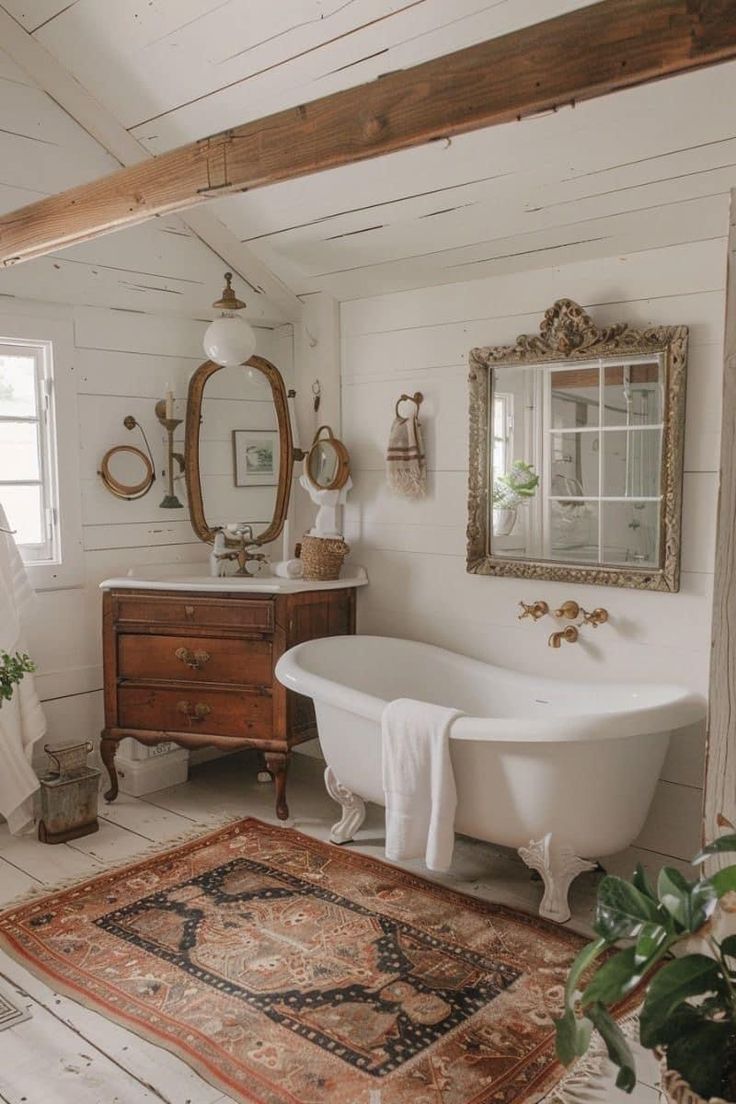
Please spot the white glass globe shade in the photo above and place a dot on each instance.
(229, 341)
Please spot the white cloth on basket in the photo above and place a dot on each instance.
(418, 782)
(22, 722)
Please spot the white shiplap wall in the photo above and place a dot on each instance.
(415, 551)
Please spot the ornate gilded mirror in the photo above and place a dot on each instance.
(576, 448)
(238, 449)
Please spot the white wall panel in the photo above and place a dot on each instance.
(415, 551)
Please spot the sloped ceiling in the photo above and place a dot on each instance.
(640, 169)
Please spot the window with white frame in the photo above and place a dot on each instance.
(28, 462)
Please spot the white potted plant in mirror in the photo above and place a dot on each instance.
(512, 489)
(679, 939)
(12, 670)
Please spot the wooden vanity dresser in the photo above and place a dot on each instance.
(198, 669)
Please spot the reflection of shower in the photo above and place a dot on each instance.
(640, 459)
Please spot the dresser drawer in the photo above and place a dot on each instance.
(195, 710)
(195, 659)
(236, 613)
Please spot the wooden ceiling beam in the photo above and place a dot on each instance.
(589, 52)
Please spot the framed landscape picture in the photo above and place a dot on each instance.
(256, 455)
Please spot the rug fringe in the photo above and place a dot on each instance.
(155, 847)
(590, 1077)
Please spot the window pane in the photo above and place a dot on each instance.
(631, 463)
(574, 397)
(23, 507)
(18, 451)
(633, 394)
(17, 386)
(574, 531)
(574, 459)
(631, 533)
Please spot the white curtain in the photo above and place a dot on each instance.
(22, 722)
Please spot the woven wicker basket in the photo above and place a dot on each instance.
(323, 556)
(677, 1090)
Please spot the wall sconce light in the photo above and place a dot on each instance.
(229, 340)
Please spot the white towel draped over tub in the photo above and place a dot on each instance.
(418, 782)
(22, 722)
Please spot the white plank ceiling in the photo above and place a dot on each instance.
(640, 169)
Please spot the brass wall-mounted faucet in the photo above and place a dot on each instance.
(570, 634)
(535, 610)
(568, 611)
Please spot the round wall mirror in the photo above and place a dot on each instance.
(127, 472)
(238, 449)
(327, 464)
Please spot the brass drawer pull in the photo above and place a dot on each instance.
(194, 713)
(195, 660)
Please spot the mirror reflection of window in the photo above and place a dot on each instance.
(598, 428)
(503, 422)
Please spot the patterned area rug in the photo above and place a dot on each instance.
(289, 971)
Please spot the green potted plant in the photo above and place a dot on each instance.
(680, 938)
(510, 491)
(12, 670)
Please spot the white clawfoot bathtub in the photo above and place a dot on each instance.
(562, 771)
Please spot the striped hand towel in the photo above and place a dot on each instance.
(406, 464)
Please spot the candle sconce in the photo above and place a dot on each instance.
(164, 414)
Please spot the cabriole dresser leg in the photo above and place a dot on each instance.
(277, 763)
(108, 747)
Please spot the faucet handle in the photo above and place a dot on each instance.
(568, 611)
(596, 617)
(535, 610)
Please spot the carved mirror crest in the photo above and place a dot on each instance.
(576, 450)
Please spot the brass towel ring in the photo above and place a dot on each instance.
(417, 398)
(129, 491)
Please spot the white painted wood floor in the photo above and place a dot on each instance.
(66, 1054)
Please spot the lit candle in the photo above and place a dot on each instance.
(169, 403)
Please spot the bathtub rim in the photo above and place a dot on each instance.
(683, 709)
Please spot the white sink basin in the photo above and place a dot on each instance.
(143, 579)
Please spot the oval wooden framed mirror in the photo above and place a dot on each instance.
(238, 449)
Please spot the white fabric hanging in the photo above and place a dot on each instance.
(22, 722)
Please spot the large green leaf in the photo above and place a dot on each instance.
(699, 1054)
(723, 881)
(573, 1036)
(584, 959)
(640, 879)
(703, 901)
(621, 910)
(618, 1048)
(653, 939)
(728, 946)
(614, 979)
(717, 847)
(675, 982)
(674, 894)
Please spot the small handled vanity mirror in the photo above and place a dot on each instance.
(327, 464)
(576, 448)
(238, 449)
(127, 472)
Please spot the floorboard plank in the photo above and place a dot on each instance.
(155, 1069)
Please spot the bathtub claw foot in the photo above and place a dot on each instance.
(353, 809)
(558, 867)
